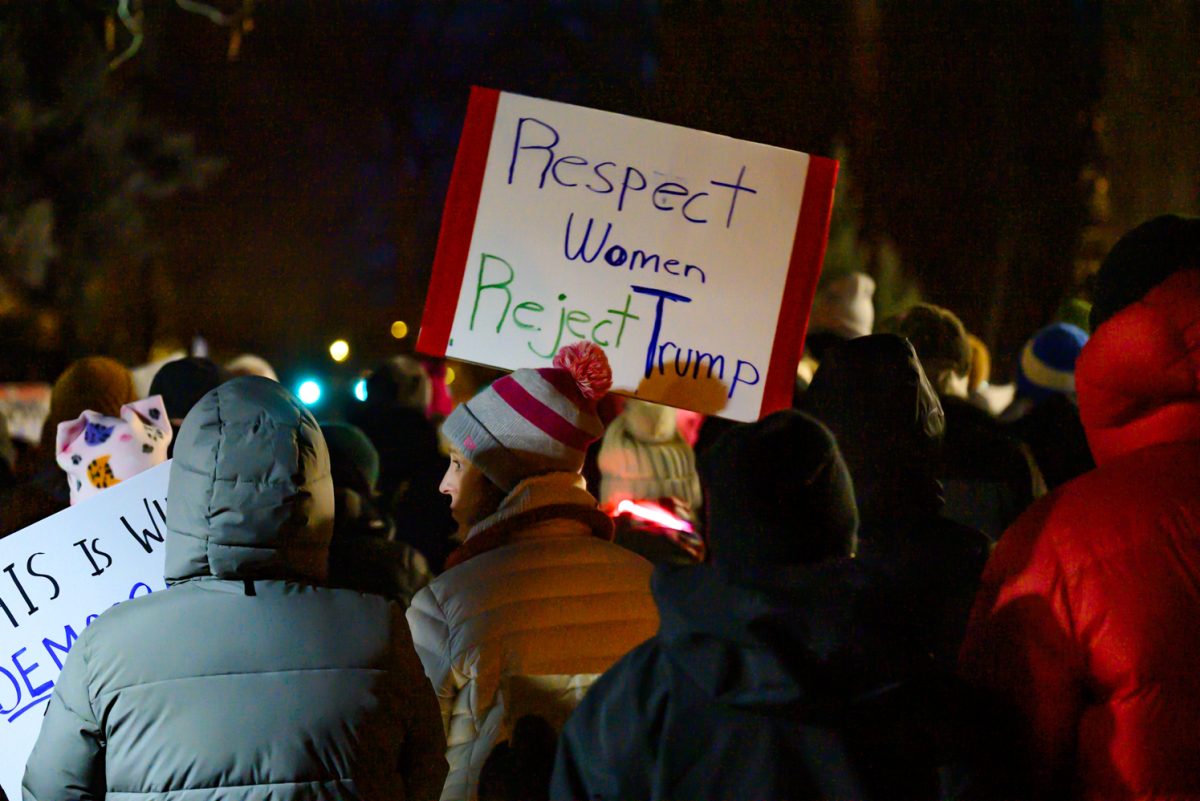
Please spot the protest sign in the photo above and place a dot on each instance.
(24, 407)
(56, 577)
(691, 258)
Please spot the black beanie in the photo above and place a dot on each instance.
(353, 459)
(1143, 259)
(778, 493)
(183, 382)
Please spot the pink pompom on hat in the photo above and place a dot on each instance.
(98, 452)
(534, 421)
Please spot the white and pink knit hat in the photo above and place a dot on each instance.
(97, 452)
(534, 421)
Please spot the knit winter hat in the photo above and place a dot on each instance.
(185, 381)
(1047, 365)
(98, 451)
(400, 381)
(95, 383)
(844, 307)
(249, 364)
(644, 457)
(778, 493)
(1143, 259)
(353, 460)
(534, 421)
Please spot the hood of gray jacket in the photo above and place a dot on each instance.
(250, 495)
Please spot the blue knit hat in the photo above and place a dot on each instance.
(1047, 365)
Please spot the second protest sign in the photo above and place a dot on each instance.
(56, 577)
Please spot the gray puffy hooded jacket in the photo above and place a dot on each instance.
(245, 679)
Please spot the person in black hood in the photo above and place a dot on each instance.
(364, 553)
(874, 396)
(182, 383)
(771, 675)
(987, 476)
(410, 464)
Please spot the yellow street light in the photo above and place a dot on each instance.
(339, 350)
(399, 329)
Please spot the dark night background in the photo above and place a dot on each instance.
(995, 148)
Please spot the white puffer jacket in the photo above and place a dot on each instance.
(546, 595)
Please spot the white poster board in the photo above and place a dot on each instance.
(691, 258)
(56, 577)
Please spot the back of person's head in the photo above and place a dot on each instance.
(1047, 364)
(250, 492)
(98, 451)
(534, 421)
(250, 364)
(844, 307)
(940, 340)
(183, 382)
(777, 493)
(94, 383)
(352, 458)
(1141, 260)
(644, 456)
(400, 381)
(875, 398)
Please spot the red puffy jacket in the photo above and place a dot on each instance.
(1089, 616)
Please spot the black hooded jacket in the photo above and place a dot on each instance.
(776, 674)
(873, 395)
(776, 683)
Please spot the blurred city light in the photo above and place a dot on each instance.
(449, 376)
(339, 350)
(399, 329)
(360, 389)
(309, 392)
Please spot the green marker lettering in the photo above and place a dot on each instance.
(596, 328)
(577, 316)
(530, 305)
(480, 286)
(625, 317)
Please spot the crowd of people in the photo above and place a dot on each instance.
(909, 586)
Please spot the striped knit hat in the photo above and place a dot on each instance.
(1047, 365)
(534, 421)
(644, 457)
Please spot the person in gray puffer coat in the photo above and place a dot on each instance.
(246, 679)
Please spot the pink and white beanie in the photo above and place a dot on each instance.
(98, 451)
(534, 421)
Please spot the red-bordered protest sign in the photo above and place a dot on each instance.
(691, 258)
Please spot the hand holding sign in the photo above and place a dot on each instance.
(690, 258)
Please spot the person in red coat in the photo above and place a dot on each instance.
(1088, 622)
